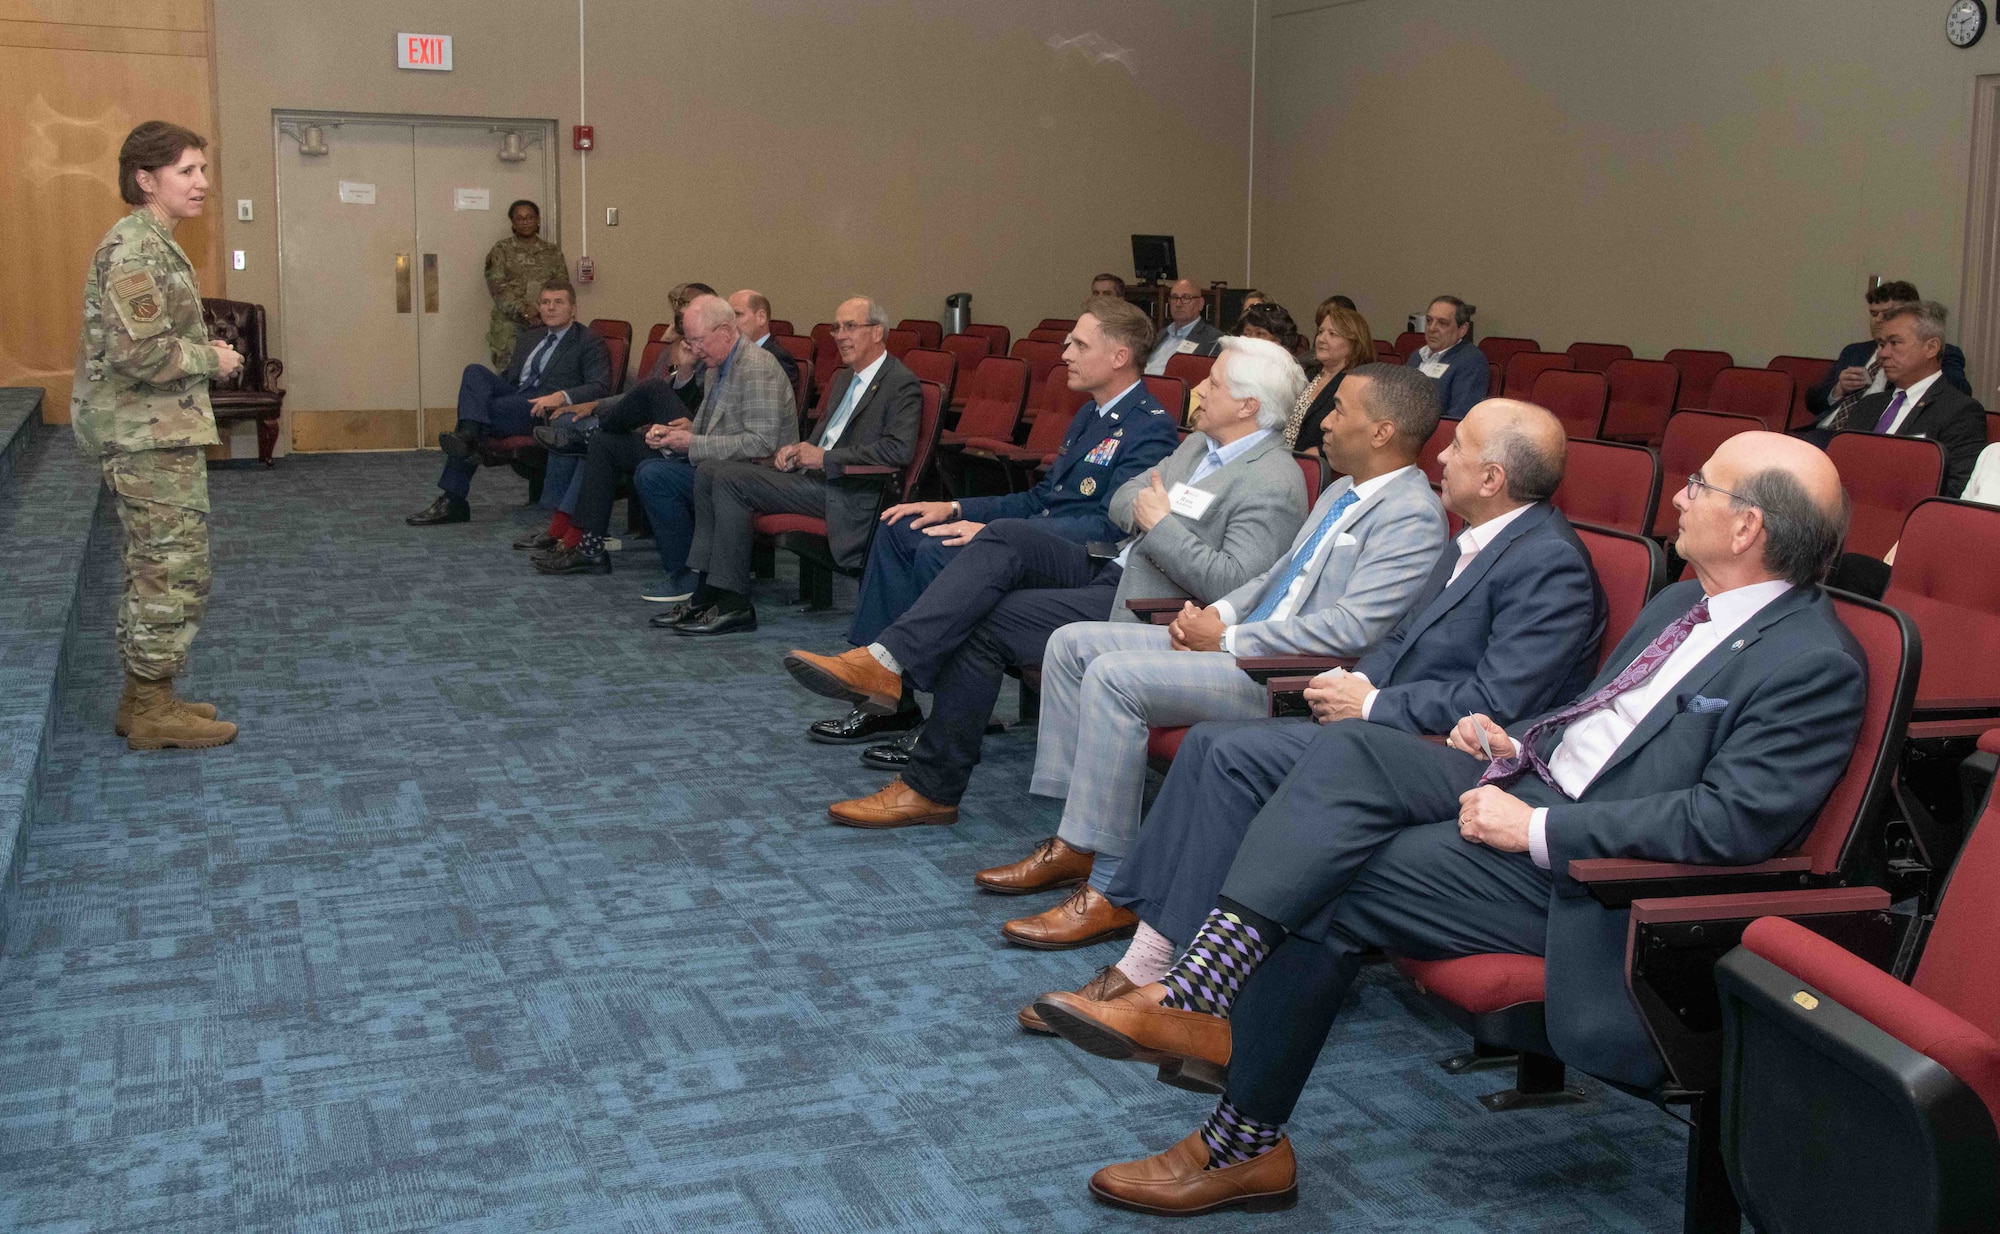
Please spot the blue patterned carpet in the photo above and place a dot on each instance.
(508, 913)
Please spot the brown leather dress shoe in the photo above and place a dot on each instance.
(1177, 1183)
(854, 676)
(1110, 983)
(897, 805)
(1190, 1049)
(1085, 918)
(1053, 864)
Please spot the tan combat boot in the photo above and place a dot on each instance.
(158, 722)
(122, 725)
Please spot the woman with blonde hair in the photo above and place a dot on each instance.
(1341, 343)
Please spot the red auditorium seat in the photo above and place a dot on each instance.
(1760, 392)
(899, 342)
(1698, 369)
(649, 355)
(1598, 357)
(1170, 393)
(1500, 351)
(929, 333)
(659, 331)
(1692, 916)
(801, 352)
(1042, 335)
(805, 535)
(1612, 485)
(781, 328)
(1042, 395)
(1630, 568)
(997, 337)
(1885, 477)
(1577, 399)
(619, 350)
(1020, 462)
(1947, 578)
(968, 350)
(1385, 353)
(1064, 324)
(1992, 427)
(1408, 343)
(1040, 357)
(1523, 367)
(994, 397)
(608, 328)
(1313, 470)
(826, 358)
(1805, 371)
(1853, 1102)
(938, 366)
(1642, 397)
(1440, 438)
(1690, 438)
(1192, 370)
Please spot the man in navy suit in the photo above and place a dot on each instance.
(1507, 626)
(560, 364)
(1449, 357)
(1712, 736)
(1858, 370)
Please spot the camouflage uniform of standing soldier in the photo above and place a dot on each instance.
(139, 404)
(517, 268)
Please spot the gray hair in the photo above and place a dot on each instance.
(1405, 398)
(877, 315)
(1927, 315)
(706, 312)
(1801, 540)
(1533, 473)
(1260, 369)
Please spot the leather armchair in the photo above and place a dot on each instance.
(254, 393)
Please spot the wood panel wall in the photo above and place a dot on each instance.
(80, 74)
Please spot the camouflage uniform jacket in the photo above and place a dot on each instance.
(516, 272)
(144, 359)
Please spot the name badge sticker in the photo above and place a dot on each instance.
(1434, 370)
(1189, 503)
(1188, 347)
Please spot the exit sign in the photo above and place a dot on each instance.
(424, 51)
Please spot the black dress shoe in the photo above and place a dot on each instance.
(537, 540)
(573, 561)
(857, 727)
(446, 509)
(672, 615)
(892, 757)
(713, 620)
(458, 445)
(562, 438)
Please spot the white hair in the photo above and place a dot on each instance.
(707, 312)
(1260, 369)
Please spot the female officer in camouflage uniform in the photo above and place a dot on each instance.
(517, 268)
(139, 403)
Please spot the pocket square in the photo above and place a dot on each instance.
(1703, 706)
(1344, 540)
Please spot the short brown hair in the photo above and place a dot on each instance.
(1896, 291)
(1353, 327)
(1124, 323)
(151, 146)
(561, 285)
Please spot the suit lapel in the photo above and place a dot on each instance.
(1354, 517)
(1086, 423)
(1447, 598)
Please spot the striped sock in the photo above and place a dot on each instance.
(1233, 1138)
(1225, 951)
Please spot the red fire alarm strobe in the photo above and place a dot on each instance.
(581, 138)
(586, 270)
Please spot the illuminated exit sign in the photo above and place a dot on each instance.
(424, 51)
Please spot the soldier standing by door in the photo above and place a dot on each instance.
(517, 268)
(139, 404)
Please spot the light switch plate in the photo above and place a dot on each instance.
(611, 216)
(236, 259)
(243, 210)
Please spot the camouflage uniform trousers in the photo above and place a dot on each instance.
(162, 498)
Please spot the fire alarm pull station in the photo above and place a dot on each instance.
(586, 270)
(581, 138)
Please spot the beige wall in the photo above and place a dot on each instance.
(1687, 173)
(907, 148)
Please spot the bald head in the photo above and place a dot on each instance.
(1528, 442)
(753, 313)
(1767, 506)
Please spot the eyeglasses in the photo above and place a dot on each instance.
(1185, 298)
(1695, 482)
(852, 327)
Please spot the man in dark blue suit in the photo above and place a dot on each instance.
(1712, 736)
(1120, 433)
(1507, 625)
(561, 364)
(1449, 357)
(1858, 371)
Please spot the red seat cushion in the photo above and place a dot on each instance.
(1989, 741)
(778, 524)
(1001, 449)
(1164, 743)
(1481, 984)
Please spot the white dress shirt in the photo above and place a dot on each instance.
(1170, 342)
(1215, 460)
(1589, 742)
(1289, 602)
(836, 424)
(544, 351)
(1911, 397)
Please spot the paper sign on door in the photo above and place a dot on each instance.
(353, 193)
(472, 199)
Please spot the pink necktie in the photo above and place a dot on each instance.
(1888, 419)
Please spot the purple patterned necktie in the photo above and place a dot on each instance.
(1655, 654)
(1888, 419)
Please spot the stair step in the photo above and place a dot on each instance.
(20, 418)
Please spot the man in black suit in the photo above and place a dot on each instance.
(1856, 371)
(753, 321)
(1917, 401)
(875, 405)
(559, 364)
(1507, 626)
(1712, 736)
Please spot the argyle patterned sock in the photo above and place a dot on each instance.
(1225, 951)
(591, 545)
(1233, 1138)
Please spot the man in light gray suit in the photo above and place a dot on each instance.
(1358, 565)
(1212, 514)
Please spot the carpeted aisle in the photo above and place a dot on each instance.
(508, 913)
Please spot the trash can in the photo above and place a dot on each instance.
(957, 312)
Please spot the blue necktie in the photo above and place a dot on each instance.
(1300, 560)
(537, 362)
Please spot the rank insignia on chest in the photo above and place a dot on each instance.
(1088, 486)
(1101, 454)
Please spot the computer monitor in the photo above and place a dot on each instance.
(1153, 259)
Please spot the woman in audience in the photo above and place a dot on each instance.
(1341, 343)
(1268, 320)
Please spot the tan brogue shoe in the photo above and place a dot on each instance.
(1110, 983)
(897, 805)
(1053, 864)
(1177, 1183)
(1190, 1049)
(853, 677)
(1086, 917)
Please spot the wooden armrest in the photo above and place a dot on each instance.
(1263, 668)
(1972, 703)
(1159, 612)
(871, 469)
(1286, 696)
(1748, 906)
(1617, 881)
